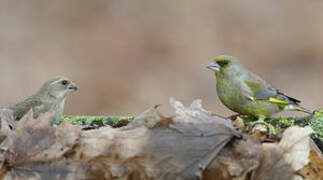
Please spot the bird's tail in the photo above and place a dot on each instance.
(302, 109)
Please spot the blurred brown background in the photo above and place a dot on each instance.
(128, 55)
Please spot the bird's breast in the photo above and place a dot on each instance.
(230, 95)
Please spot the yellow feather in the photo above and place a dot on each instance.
(299, 109)
(303, 110)
(278, 101)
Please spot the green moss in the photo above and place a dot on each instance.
(97, 120)
(279, 123)
(286, 122)
(317, 125)
(247, 120)
(318, 114)
(315, 121)
(282, 122)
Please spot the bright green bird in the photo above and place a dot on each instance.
(246, 93)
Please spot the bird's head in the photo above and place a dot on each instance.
(58, 87)
(223, 64)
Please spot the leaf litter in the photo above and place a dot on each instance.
(191, 144)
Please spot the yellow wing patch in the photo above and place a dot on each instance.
(272, 100)
(278, 101)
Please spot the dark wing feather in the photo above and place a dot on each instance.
(270, 92)
(296, 101)
(266, 93)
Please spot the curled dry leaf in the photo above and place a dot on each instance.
(195, 114)
(31, 136)
(281, 160)
(296, 144)
(182, 151)
(150, 118)
(235, 161)
(260, 132)
(238, 122)
(314, 169)
(37, 148)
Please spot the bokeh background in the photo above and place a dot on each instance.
(128, 55)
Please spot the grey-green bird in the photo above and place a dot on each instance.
(52, 93)
(246, 93)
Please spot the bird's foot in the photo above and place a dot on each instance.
(271, 130)
(233, 117)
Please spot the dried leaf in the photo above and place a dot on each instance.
(31, 137)
(182, 149)
(140, 151)
(314, 169)
(235, 161)
(239, 123)
(195, 114)
(260, 132)
(36, 145)
(296, 144)
(66, 139)
(281, 160)
(149, 118)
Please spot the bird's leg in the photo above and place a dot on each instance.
(261, 120)
(233, 117)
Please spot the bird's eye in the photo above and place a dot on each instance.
(223, 63)
(64, 82)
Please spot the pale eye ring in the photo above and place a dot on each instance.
(64, 82)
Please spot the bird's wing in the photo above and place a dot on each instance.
(255, 83)
(263, 91)
(275, 96)
(22, 108)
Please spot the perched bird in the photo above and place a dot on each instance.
(246, 93)
(52, 93)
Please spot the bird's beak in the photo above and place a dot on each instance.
(213, 66)
(72, 87)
